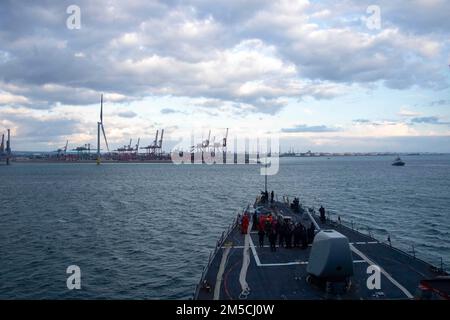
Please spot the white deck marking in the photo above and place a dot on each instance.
(296, 263)
(283, 264)
(220, 273)
(309, 245)
(259, 264)
(387, 275)
(365, 242)
(245, 260)
(359, 261)
(255, 255)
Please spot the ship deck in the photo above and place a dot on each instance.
(241, 269)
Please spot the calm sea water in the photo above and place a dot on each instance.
(141, 231)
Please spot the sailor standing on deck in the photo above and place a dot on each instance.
(311, 233)
(322, 214)
(273, 240)
(280, 231)
(261, 235)
(297, 234)
(268, 224)
(303, 237)
(275, 224)
(255, 221)
(262, 221)
(288, 235)
(245, 222)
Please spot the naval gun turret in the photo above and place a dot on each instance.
(330, 261)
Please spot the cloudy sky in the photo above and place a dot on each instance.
(321, 75)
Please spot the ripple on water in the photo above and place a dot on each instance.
(146, 231)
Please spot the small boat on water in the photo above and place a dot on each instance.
(398, 162)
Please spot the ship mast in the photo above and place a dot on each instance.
(265, 177)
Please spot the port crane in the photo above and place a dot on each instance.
(83, 148)
(223, 144)
(156, 144)
(129, 148)
(137, 146)
(2, 145)
(5, 151)
(160, 141)
(63, 150)
(203, 145)
(151, 148)
(125, 148)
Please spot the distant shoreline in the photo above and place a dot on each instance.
(86, 161)
(363, 154)
(30, 159)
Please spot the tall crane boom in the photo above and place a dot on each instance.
(137, 145)
(2, 145)
(155, 143)
(161, 140)
(224, 142)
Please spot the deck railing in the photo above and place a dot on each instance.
(218, 246)
(357, 227)
(367, 231)
(336, 219)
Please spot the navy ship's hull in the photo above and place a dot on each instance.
(241, 268)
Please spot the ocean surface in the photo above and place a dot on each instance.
(145, 231)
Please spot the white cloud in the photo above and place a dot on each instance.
(404, 112)
(234, 58)
(7, 98)
(248, 72)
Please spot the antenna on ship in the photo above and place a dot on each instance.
(266, 162)
(257, 150)
(265, 176)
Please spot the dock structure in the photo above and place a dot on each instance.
(239, 268)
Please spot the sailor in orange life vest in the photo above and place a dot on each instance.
(245, 222)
